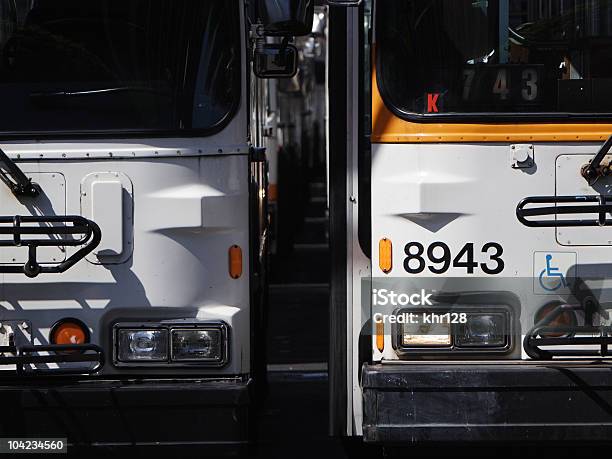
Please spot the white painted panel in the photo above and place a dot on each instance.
(468, 193)
(175, 264)
(107, 212)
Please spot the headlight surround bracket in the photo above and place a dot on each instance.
(170, 326)
(455, 348)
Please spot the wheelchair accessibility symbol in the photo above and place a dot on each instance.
(554, 271)
(551, 272)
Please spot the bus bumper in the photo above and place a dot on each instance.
(488, 402)
(128, 413)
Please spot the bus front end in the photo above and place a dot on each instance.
(128, 284)
(478, 215)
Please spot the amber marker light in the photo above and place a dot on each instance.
(380, 336)
(69, 331)
(235, 262)
(565, 319)
(272, 192)
(385, 255)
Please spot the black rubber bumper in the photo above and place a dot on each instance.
(115, 413)
(483, 403)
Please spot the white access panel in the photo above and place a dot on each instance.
(107, 200)
(50, 202)
(569, 182)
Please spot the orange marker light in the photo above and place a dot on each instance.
(272, 192)
(380, 336)
(385, 255)
(69, 332)
(565, 319)
(235, 262)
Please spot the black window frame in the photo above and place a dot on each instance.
(471, 117)
(220, 125)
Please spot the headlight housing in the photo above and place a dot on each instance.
(487, 329)
(171, 344)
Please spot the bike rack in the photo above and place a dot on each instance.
(536, 339)
(549, 205)
(68, 231)
(25, 357)
(540, 335)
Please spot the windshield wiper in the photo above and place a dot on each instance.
(15, 179)
(96, 92)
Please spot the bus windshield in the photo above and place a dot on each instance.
(439, 57)
(117, 65)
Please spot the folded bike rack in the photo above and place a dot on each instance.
(538, 206)
(544, 335)
(25, 358)
(29, 231)
(53, 231)
(594, 211)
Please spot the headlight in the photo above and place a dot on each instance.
(483, 330)
(426, 335)
(142, 345)
(462, 329)
(197, 345)
(172, 343)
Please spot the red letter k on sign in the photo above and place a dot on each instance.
(432, 100)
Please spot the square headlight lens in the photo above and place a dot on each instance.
(426, 334)
(197, 345)
(142, 345)
(483, 330)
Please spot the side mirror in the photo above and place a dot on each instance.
(286, 17)
(275, 61)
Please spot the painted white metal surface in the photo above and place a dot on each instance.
(458, 193)
(187, 213)
(221, 143)
(107, 208)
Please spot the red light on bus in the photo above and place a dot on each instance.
(69, 331)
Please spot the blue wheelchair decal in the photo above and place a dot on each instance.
(552, 272)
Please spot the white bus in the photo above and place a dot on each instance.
(470, 215)
(132, 217)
